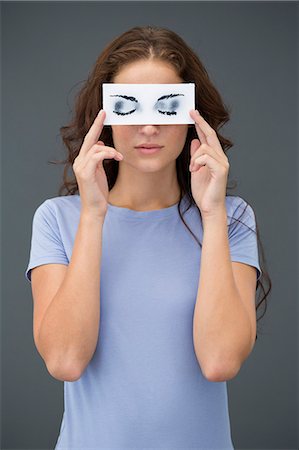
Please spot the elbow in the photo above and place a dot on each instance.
(61, 372)
(217, 373)
(225, 370)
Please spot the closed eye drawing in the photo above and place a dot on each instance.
(125, 103)
(129, 104)
(163, 103)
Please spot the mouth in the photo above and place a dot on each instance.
(149, 148)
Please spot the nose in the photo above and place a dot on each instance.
(148, 130)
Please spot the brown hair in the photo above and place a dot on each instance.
(163, 44)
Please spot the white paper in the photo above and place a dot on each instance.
(155, 104)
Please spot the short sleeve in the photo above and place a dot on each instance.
(46, 243)
(242, 234)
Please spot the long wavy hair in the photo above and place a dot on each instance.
(143, 43)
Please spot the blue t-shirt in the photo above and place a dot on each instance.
(143, 388)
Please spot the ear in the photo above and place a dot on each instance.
(195, 144)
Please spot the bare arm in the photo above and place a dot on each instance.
(222, 332)
(69, 330)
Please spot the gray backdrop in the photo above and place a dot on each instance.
(250, 51)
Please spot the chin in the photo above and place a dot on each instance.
(147, 165)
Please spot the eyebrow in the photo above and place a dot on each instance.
(133, 99)
(127, 97)
(168, 96)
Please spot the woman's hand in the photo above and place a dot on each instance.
(209, 168)
(89, 171)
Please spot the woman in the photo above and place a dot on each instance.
(147, 365)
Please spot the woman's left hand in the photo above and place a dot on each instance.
(209, 168)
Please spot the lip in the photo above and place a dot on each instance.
(147, 149)
(148, 145)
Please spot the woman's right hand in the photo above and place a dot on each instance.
(89, 170)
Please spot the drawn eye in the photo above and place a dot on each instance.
(167, 107)
(121, 107)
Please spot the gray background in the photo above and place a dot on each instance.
(249, 50)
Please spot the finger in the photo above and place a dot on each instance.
(200, 133)
(104, 148)
(203, 129)
(96, 159)
(201, 161)
(206, 149)
(94, 132)
(98, 146)
(208, 160)
(82, 160)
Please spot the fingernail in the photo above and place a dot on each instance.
(100, 112)
(197, 112)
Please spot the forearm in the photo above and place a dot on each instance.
(221, 326)
(69, 330)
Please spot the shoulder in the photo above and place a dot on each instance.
(236, 205)
(240, 214)
(237, 208)
(59, 204)
(57, 211)
(63, 201)
(235, 201)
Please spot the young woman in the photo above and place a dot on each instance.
(143, 275)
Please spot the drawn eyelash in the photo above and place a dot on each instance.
(124, 114)
(169, 113)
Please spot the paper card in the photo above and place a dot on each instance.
(141, 104)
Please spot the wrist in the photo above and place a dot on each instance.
(216, 216)
(90, 216)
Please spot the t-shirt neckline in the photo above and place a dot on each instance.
(132, 214)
